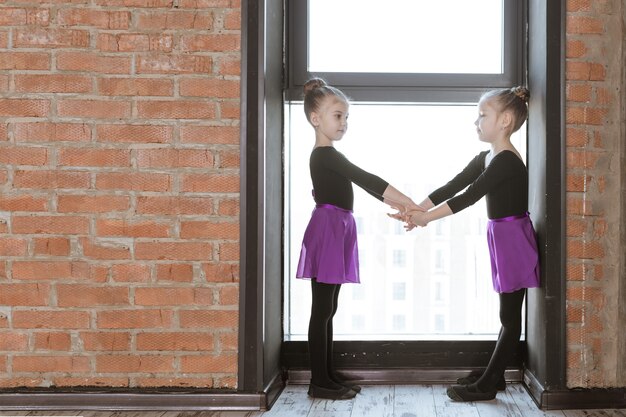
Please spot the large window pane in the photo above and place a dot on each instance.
(347, 36)
(443, 270)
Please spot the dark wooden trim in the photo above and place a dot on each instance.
(402, 354)
(577, 398)
(29, 400)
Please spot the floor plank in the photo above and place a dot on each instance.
(413, 401)
(374, 401)
(444, 406)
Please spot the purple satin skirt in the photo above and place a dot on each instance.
(514, 255)
(329, 248)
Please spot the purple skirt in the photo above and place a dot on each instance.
(329, 248)
(514, 255)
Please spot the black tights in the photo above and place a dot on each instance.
(323, 309)
(511, 320)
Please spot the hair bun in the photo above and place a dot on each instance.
(522, 92)
(312, 84)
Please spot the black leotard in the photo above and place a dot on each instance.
(504, 182)
(333, 175)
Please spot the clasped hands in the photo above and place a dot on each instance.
(412, 215)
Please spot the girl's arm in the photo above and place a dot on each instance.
(399, 201)
(423, 218)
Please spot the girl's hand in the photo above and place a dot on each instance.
(418, 218)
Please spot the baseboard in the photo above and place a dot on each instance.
(395, 376)
(577, 398)
(149, 400)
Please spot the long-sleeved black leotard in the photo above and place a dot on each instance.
(504, 182)
(333, 174)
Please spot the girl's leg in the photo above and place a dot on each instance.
(329, 332)
(511, 320)
(323, 296)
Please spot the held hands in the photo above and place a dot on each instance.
(413, 215)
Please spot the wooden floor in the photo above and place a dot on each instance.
(373, 401)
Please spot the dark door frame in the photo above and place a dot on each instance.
(260, 360)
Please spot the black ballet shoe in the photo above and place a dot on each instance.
(341, 381)
(343, 393)
(466, 393)
(470, 379)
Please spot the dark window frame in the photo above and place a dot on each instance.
(407, 87)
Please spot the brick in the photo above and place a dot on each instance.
(75, 295)
(211, 43)
(134, 319)
(163, 205)
(23, 155)
(105, 250)
(202, 183)
(177, 109)
(232, 19)
(586, 115)
(136, 3)
(228, 159)
(576, 137)
(105, 341)
(183, 19)
(211, 319)
(135, 42)
(228, 207)
(173, 296)
(230, 110)
(223, 135)
(585, 249)
(119, 382)
(201, 382)
(134, 133)
(578, 6)
(223, 363)
(174, 158)
(576, 49)
(214, 88)
(175, 272)
(228, 342)
(41, 319)
(134, 363)
(131, 273)
(13, 341)
(53, 83)
(55, 270)
(53, 341)
(175, 341)
(94, 157)
(50, 363)
(209, 230)
(221, 272)
(51, 180)
(102, 19)
(576, 227)
(97, 109)
(226, 65)
(584, 25)
(174, 64)
(131, 228)
(140, 181)
(92, 203)
(72, 225)
(135, 87)
(93, 63)
(228, 295)
(16, 107)
(20, 202)
(10, 16)
(578, 182)
(52, 132)
(582, 159)
(174, 251)
(13, 246)
(51, 38)
(24, 61)
(578, 92)
(52, 246)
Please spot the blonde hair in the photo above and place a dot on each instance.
(514, 99)
(315, 91)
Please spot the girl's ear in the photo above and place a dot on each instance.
(315, 119)
(506, 119)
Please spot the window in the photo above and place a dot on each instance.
(399, 291)
(407, 116)
(399, 258)
(399, 323)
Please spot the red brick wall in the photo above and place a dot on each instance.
(595, 42)
(119, 192)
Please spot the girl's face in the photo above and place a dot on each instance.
(331, 120)
(488, 124)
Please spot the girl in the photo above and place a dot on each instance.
(329, 254)
(501, 175)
